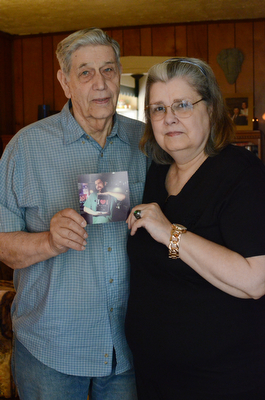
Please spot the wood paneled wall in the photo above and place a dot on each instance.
(6, 84)
(35, 65)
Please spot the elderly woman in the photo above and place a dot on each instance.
(196, 312)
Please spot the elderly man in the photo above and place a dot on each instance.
(71, 279)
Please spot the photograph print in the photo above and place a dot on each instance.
(104, 197)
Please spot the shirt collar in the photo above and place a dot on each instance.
(72, 131)
(119, 129)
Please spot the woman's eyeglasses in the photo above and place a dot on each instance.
(181, 109)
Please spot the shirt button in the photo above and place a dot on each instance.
(106, 362)
(111, 142)
(83, 142)
(111, 280)
(106, 355)
(101, 154)
(109, 249)
(111, 309)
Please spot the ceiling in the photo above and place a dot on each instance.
(24, 17)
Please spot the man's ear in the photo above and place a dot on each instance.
(62, 78)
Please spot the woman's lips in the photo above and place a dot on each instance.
(174, 133)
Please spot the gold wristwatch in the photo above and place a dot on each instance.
(176, 232)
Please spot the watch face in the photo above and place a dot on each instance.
(180, 227)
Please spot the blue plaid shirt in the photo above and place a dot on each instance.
(69, 311)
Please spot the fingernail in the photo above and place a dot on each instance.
(83, 223)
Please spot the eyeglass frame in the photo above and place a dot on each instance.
(165, 107)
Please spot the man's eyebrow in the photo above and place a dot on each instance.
(89, 65)
(83, 65)
(108, 63)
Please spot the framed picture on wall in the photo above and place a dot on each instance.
(240, 109)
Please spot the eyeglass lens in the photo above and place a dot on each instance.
(182, 109)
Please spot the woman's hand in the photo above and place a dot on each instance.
(153, 220)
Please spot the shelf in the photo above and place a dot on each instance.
(251, 140)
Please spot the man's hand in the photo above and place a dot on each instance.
(67, 231)
(22, 249)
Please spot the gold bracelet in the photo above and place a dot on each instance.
(176, 231)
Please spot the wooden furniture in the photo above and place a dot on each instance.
(251, 140)
(7, 293)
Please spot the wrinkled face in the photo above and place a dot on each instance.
(93, 83)
(99, 185)
(173, 133)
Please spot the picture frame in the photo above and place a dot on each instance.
(240, 109)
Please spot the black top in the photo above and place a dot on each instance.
(178, 323)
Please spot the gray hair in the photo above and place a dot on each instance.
(84, 37)
(199, 75)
